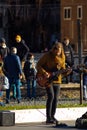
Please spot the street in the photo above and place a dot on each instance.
(70, 125)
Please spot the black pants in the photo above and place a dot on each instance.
(52, 96)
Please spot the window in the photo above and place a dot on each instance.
(67, 12)
(79, 12)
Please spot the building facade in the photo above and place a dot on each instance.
(74, 22)
(39, 22)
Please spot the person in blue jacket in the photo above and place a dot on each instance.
(13, 70)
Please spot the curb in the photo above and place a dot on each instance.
(39, 115)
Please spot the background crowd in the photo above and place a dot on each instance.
(18, 62)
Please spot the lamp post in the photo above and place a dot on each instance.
(80, 59)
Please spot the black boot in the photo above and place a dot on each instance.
(55, 120)
(49, 121)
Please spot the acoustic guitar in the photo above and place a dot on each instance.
(45, 82)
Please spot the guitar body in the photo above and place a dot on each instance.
(46, 82)
(42, 80)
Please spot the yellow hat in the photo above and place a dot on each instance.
(18, 38)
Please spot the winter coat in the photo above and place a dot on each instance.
(4, 52)
(29, 70)
(12, 66)
(22, 50)
(51, 63)
(69, 54)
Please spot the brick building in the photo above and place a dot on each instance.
(71, 12)
(38, 20)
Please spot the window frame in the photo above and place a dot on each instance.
(79, 12)
(67, 13)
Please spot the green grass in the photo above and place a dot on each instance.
(21, 107)
(72, 105)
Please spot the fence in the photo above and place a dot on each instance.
(70, 93)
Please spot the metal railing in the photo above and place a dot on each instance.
(70, 93)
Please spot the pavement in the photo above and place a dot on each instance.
(39, 115)
(35, 119)
(40, 126)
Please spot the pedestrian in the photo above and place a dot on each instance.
(1, 86)
(30, 75)
(4, 49)
(50, 62)
(22, 48)
(13, 70)
(85, 79)
(69, 56)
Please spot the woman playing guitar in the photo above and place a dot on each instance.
(49, 63)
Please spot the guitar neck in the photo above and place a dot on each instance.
(55, 74)
(60, 72)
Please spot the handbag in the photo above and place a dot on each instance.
(4, 82)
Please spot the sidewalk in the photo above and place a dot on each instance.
(38, 115)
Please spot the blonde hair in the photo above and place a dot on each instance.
(59, 45)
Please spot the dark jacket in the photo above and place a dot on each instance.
(22, 50)
(69, 54)
(29, 71)
(12, 66)
(4, 52)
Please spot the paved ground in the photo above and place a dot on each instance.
(40, 125)
(68, 125)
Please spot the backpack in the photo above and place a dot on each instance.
(82, 121)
